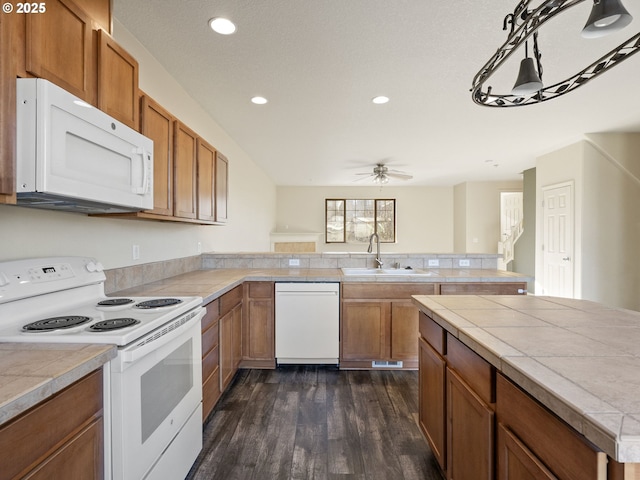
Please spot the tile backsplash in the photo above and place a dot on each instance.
(135, 275)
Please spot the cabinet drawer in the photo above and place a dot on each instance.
(534, 425)
(482, 288)
(380, 291)
(260, 289)
(433, 333)
(210, 339)
(212, 315)
(210, 362)
(41, 430)
(473, 369)
(230, 300)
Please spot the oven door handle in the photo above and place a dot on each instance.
(161, 336)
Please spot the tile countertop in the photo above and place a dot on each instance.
(578, 358)
(32, 372)
(210, 284)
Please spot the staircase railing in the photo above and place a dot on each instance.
(507, 246)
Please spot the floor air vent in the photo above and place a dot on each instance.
(386, 364)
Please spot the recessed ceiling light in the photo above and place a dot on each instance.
(259, 100)
(380, 100)
(222, 26)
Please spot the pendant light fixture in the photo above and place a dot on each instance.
(528, 81)
(607, 16)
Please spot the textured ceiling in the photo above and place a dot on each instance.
(320, 62)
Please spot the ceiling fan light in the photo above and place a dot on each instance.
(607, 16)
(528, 80)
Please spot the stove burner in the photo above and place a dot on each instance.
(158, 302)
(55, 323)
(115, 302)
(113, 324)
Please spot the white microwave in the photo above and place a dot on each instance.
(71, 156)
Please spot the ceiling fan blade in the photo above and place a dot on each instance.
(402, 176)
(364, 177)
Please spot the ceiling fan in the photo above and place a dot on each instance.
(381, 174)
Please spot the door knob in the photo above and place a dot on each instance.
(566, 259)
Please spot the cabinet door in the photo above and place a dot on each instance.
(117, 81)
(157, 124)
(80, 457)
(206, 181)
(226, 350)
(432, 400)
(469, 432)
(365, 331)
(259, 325)
(185, 147)
(7, 112)
(237, 336)
(404, 331)
(59, 48)
(222, 187)
(516, 461)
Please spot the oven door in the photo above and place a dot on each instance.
(156, 385)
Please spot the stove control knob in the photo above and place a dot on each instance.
(92, 267)
(99, 267)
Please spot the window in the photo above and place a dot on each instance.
(353, 221)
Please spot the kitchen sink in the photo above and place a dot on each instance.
(386, 271)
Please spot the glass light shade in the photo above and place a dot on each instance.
(607, 16)
(528, 81)
(259, 100)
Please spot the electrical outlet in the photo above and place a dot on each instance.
(464, 262)
(135, 252)
(294, 262)
(434, 262)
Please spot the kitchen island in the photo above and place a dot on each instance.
(555, 381)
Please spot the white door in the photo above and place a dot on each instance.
(558, 234)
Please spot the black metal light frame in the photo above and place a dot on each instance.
(525, 23)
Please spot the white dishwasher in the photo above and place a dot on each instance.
(307, 323)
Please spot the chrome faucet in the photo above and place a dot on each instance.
(378, 259)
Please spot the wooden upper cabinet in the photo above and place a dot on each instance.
(222, 187)
(157, 124)
(185, 170)
(59, 47)
(117, 81)
(206, 181)
(99, 11)
(7, 113)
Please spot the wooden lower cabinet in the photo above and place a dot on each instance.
(230, 334)
(379, 323)
(432, 401)
(469, 432)
(258, 325)
(62, 437)
(534, 443)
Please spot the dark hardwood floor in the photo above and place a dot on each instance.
(316, 422)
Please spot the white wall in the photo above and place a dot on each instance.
(252, 199)
(479, 230)
(605, 170)
(424, 215)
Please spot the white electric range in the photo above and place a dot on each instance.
(153, 388)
